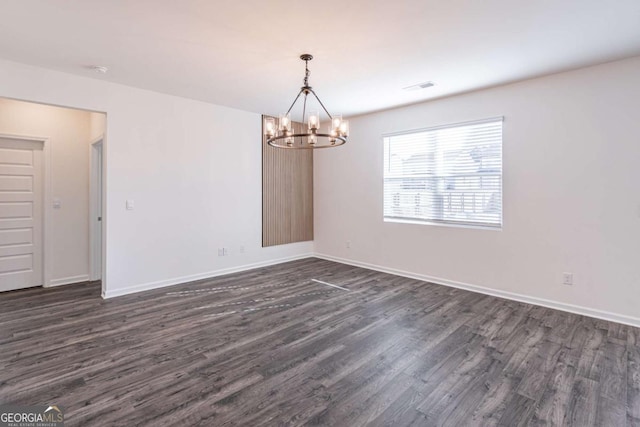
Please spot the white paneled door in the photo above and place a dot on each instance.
(21, 200)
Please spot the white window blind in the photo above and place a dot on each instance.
(449, 174)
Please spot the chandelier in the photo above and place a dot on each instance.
(283, 135)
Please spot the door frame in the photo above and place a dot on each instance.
(46, 201)
(96, 234)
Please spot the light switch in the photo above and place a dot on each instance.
(129, 205)
(57, 204)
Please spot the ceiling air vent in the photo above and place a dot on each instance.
(419, 86)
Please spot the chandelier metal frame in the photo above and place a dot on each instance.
(283, 136)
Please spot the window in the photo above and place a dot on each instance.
(447, 174)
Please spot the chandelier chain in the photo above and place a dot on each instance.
(306, 73)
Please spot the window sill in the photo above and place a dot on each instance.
(443, 224)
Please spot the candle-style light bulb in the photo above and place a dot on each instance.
(270, 127)
(285, 122)
(333, 134)
(344, 128)
(314, 121)
(336, 120)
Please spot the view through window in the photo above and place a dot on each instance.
(448, 174)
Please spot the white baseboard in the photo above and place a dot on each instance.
(184, 279)
(576, 309)
(67, 280)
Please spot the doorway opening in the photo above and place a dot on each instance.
(52, 223)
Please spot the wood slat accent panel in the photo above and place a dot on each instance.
(287, 194)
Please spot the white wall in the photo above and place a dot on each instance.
(97, 125)
(193, 170)
(68, 133)
(571, 199)
(571, 194)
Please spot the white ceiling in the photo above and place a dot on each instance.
(244, 53)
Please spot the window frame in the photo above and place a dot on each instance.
(447, 222)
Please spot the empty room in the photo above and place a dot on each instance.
(338, 213)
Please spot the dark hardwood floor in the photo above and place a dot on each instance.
(272, 347)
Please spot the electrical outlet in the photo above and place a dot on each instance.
(348, 244)
(567, 279)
